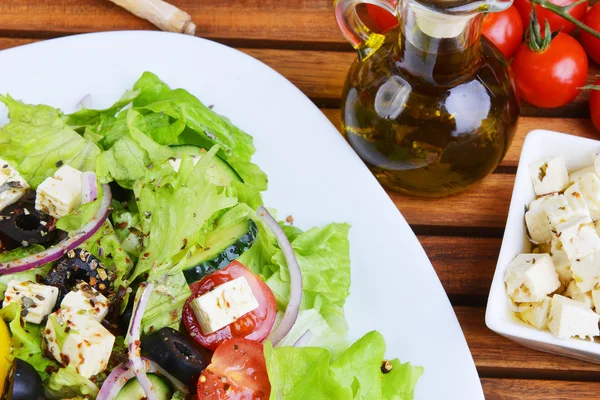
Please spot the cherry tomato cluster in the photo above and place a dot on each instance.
(549, 75)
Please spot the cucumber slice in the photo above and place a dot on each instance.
(219, 172)
(133, 390)
(222, 247)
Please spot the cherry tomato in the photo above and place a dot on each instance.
(552, 77)
(595, 105)
(255, 325)
(237, 372)
(505, 30)
(383, 20)
(589, 42)
(556, 21)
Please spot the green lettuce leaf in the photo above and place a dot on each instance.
(206, 128)
(26, 340)
(132, 155)
(37, 142)
(356, 374)
(89, 117)
(83, 214)
(173, 207)
(66, 383)
(166, 302)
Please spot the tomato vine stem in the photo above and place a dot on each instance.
(564, 12)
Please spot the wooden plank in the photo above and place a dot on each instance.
(519, 389)
(497, 356)
(465, 265)
(270, 20)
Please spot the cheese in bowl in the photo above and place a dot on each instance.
(556, 286)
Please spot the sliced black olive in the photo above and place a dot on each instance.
(175, 353)
(79, 265)
(22, 225)
(24, 383)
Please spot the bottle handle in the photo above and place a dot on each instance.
(355, 31)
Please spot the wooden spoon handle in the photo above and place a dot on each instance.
(162, 14)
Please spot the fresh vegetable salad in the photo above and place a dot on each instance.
(138, 262)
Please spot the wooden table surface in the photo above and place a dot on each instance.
(461, 234)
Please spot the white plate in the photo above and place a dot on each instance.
(499, 317)
(313, 175)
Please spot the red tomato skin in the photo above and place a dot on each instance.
(505, 30)
(556, 22)
(589, 42)
(595, 106)
(551, 78)
(237, 372)
(255, 325)
(383, 20)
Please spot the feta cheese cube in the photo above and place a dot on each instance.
(562, 264)
(576, 175)
(579, 238)
(561, 209)
(86, 301)
(538, 225)
(36, 301)
(586, 272)
(530, 278)
(78, 340)
(60, 194)
(536, 314)
(570, 318)
(224, 305)
(576, 294)
(589, 184)
(12, 185)
(549, 175)
(175, 162)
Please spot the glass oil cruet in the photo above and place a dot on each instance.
(431, 106)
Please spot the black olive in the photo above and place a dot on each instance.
(175, 353)
(24, 383)
(22, 225)
(79, 265)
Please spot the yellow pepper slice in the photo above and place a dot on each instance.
(4, 355)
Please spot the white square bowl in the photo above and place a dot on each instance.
(499, 317)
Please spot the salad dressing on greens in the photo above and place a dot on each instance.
(120, 226)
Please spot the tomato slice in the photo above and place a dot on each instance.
(237, 372)
(255, 325)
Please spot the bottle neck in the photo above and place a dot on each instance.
(438, 48)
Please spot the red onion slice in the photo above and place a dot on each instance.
(124, 372)
(134, 340)
(89, 187)
(293, 307)
(55, 252)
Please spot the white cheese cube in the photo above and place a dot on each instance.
(549, 175)
(175, 162)
(562, 264)
(579, 238)
(589, 185)
(536, 314)
(576, 175)
(12, 185)
(86, 301)
(78, 340)
(596, 299)
(586, 272)
(530, 278)
(570, 318)
(575, 293)
(538, 225)
(560, 209)
(60, 194)
(224, 305)
(36, 300)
